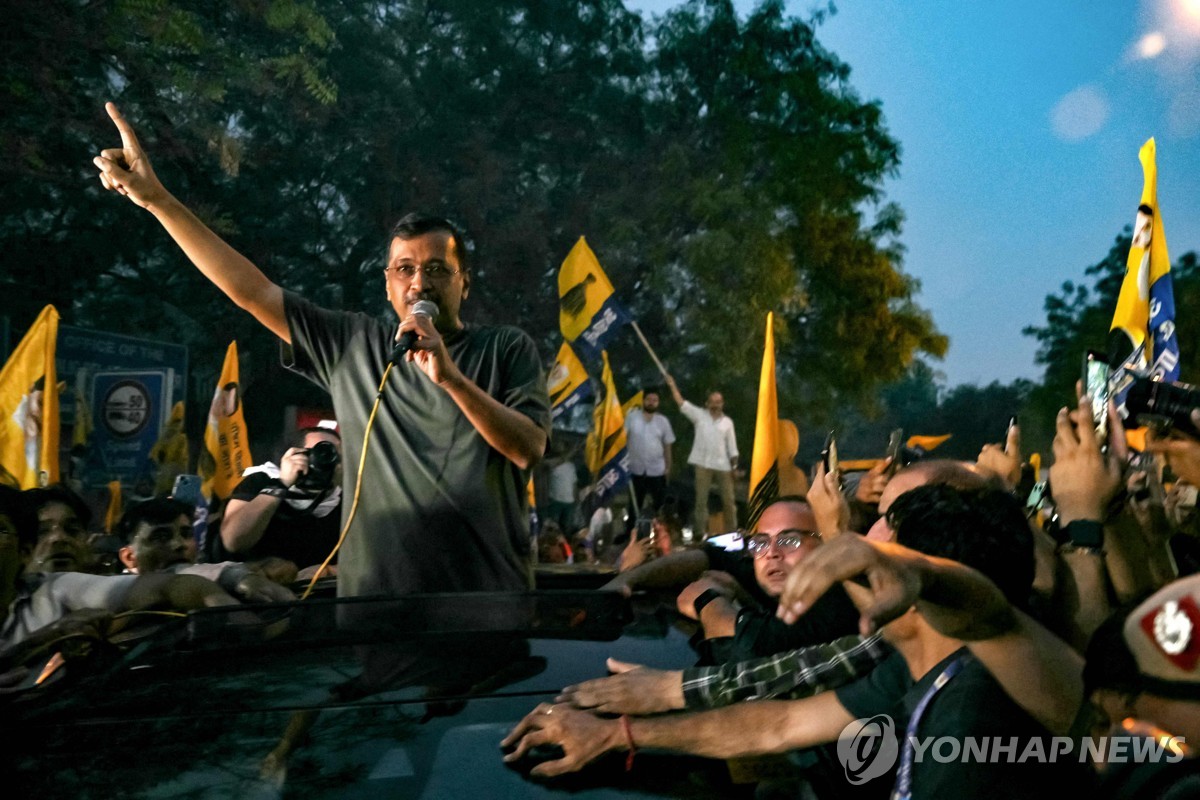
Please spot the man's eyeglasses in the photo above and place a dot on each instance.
(434, 271)
(788, 541)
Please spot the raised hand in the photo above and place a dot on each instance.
(871, 486)
(1084, 478)
(126, 170)
(828, 504)
(1003, 462)
(636, 553)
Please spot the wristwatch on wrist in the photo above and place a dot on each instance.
(1085, 533)
(703, 599)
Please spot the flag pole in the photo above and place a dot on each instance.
(649, 350)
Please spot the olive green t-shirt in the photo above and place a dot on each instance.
(439, 509)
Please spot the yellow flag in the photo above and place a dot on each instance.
(113, 515)
(1145, 310)
(82, 428)
(1136, 439)
(226, 442)
(926, 443)
(607, 456)
(567, 382)
(607, 438)
(633, 403)
(588, 314)
(29, 408)
(764, 469)
(171, 451)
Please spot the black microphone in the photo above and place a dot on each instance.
(424, 308)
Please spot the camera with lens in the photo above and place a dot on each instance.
(1162, 405)
(323, 459)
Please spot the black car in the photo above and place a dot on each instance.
(353, 697)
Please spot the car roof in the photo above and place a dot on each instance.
(400, 697)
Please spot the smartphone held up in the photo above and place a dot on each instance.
(829, 458)
(1095, 377)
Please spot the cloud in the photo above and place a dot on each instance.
(1081, 113)
(1150, 46)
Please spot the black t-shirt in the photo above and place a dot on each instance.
(971, 704)
(292, 533)
(759, 632)
(739, 564)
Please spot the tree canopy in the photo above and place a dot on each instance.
(720, 167)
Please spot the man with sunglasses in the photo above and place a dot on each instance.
(462, 416)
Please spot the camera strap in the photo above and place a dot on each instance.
(293, 500)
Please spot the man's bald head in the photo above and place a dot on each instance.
(956, 474)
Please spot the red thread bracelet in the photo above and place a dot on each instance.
(629, 739)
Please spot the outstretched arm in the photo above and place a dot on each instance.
(769, 726)
(1036, 669)
(634, 689)
(675, 569)
(127, 171)
(674, 390)
(180, 592)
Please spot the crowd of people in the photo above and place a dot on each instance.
(931, 628)
(965, 605)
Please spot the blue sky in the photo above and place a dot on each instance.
(1020, 124)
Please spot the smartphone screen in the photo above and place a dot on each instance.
(829, 455)
(1036, 495)
(895, 442)
(1095, 385)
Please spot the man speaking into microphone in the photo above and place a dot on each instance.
(463, 415)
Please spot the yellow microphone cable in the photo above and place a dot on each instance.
(362, 460)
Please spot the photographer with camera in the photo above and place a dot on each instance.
(292, 511)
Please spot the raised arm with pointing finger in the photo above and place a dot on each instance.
(462, 416)
(127, 171)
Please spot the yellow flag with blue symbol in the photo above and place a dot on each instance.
(567, 383)
(607, 456)
(1142, 338)
(588, 312)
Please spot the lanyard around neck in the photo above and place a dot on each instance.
(903, 788)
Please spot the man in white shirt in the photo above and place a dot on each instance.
(649, 436)
(714, 455)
